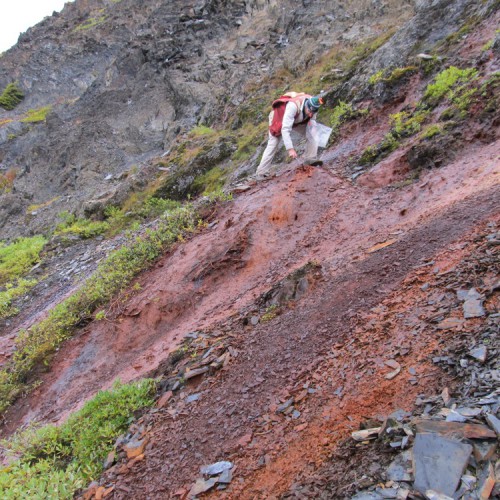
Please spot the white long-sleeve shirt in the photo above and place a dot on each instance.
(291, 118)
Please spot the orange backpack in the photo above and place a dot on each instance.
(279, 106)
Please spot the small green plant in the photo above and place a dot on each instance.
(54, 462)
(91, 22)
(84, 228)
(17, 258)
(395, 75)
(36, 115)
(153, 207)
(431, 131)
(271, 313)
(488, 45)
(341, 113)
(11, 292)
(375, 153)
(406, 124)
(376, 77)
(100, 315)
(201, 130)
(450, 83)
(11, 97)
(219, 196)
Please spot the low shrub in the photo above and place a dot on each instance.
(11, 96)
(56, 461)
(84, 228)
(12, 292)
(450, 83)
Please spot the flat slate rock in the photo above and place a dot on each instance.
(367, 495)
(457, 429)
(439, 463)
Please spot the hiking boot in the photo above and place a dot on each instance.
(312, 162)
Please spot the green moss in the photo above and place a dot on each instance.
(53, 462)
(210, 181)
(376, 77)
(201, 130)
(37, 115)
(340, 114)
(249, 138)
(11, 97)
(394, 76)
(271, 313)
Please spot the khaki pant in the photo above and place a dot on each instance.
(274, 142)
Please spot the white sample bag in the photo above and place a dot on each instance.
(319, 133)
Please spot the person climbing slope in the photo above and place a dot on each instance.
(297, 111)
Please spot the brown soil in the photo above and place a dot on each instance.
(370, 242)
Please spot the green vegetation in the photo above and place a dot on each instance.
(37, 115)
(450, 83)
(84, 228)
(12, 292)
(11, 97)
(392, 77)
(376, 152)
(56, 461)
(36, 345)
(376, 77)
(92, 22)
(209, 182)
(431, 131)
(153, 207)
(342, 113)
(271, 313)
(17, 258)
(202, 130)
(249, 138)
(406, 124)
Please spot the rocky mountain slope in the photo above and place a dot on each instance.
(280, 317)
(124, 79)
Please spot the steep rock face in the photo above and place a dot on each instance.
(123, 79)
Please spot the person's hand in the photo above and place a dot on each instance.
(292, 153)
